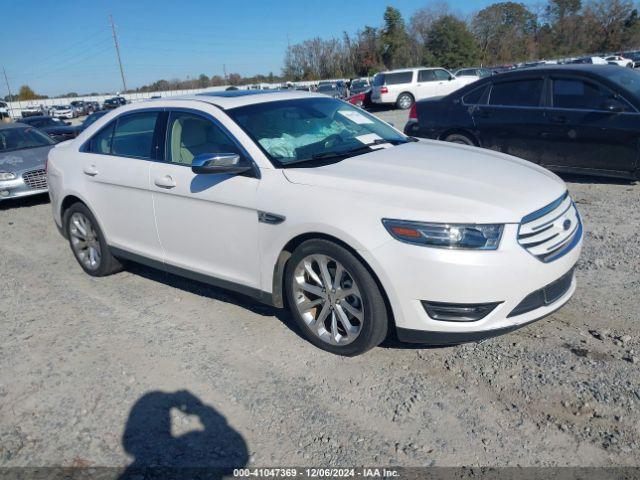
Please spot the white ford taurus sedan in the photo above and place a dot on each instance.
(304, 201)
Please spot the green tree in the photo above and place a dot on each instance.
(203, 81)
(450, 44)
(26, 93)
(395, 40)
(505, 32)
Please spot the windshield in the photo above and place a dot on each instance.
(378, 80)
(358, 84)
(92, 118)
(303, 130)
(326, 88)
(21, 138)
(626, 78)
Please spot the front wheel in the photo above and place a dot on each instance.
(334, 299)
(459, 138)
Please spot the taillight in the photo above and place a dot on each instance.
(413, 113)
(384, 90)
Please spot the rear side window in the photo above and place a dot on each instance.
(101, 141)
(520, 93)
(397, 78)
(580, 94)
(474, 96)
(133, 136)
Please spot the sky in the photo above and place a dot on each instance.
(61, 46)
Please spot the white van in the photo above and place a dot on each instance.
(405, 86)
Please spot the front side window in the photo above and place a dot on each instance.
(441, 74)
(133, 135)
(426, 76)
(303, 130)
(580, 94)
(190, 135)
(519, 93)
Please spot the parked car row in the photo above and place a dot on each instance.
(568, 118)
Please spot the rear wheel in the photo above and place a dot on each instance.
(334, 299)
(404, 101)
(88, 243)
(459, 138)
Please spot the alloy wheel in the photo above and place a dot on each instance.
(84, 241)
(405, 102)
(328, 299)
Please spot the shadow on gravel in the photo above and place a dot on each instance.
(214, 293)
(210, 449)
(30, 201)
(592, 179)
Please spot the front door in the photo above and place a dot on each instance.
(590, 127)
(207, 223)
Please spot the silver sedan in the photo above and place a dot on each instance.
(23, 153)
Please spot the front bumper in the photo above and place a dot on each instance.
(18, 188)
(411, 274)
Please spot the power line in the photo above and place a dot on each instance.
(115, 41)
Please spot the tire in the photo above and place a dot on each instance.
(459, 138)
(76, 219)
(404, 101)
(364, 309)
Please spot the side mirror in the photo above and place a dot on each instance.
(613, 106)
(230, 163)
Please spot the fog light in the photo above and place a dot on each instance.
(458, 312)
(4, 193)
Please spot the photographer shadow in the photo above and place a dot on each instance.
(211, 450)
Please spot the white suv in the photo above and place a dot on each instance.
(403, 87)
(304, 201)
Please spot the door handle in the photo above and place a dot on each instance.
(165, 182)
(90, 170)
(558, 119)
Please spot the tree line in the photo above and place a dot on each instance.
(501, 33)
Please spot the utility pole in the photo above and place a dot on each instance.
(224, 69)
(8, 88)
(115, 41)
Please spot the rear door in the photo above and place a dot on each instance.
(115, 165)
(590, 126)
(512, 121)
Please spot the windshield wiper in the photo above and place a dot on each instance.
(365, 146)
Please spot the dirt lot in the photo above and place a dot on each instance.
(145, 367)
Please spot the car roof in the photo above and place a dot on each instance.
(239, 98)
(36, 117)
(8, 126)
(593, 69)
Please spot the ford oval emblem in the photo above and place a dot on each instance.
(566, 224)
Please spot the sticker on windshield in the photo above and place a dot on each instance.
(370, 139)
(355, 117)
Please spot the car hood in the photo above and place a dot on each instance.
(19, 161)
(439, 182)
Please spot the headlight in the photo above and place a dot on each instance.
(7, 176)
(445, 235)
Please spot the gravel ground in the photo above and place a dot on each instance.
(143, 367)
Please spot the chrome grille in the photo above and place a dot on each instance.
(36, 179)
(552, 231)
